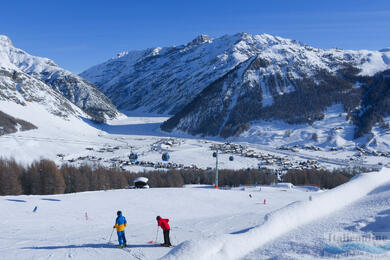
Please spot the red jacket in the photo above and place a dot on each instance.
(163, 223)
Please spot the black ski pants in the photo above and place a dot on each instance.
(166, 237)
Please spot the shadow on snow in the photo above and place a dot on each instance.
(14, 200)
(50, 199)
(100, 245)
(242, 230)
(129, 129)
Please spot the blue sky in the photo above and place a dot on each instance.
(80, 34)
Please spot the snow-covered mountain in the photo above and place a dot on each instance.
(27, 103)
(217, 87)
(43, 70)
(18, 87)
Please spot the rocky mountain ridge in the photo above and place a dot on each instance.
(218, 86)
(76, 89)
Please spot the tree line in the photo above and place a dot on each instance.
(319, 178)
(45, 177)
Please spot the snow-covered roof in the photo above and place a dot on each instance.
(141, 179)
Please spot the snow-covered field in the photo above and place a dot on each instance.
(206, 223)
(77, 142)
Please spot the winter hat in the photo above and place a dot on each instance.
(119, 212)
(158, 217)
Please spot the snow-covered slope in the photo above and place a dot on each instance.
(18, 87)
(55, 133)
(232, 80)
(73, 87)
(280, 222)
(59, 227)
(27, 98)
(221, 224)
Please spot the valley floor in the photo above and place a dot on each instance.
(80, 141)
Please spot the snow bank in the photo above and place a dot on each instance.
(285, 185)
(230, 246)
(307, 188)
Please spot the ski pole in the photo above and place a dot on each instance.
(109, 241)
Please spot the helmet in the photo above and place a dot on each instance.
(119, 212)
(158, 217)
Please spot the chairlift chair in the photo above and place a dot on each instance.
(133, 157)
(165, 157)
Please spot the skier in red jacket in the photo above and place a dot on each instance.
(163, 223)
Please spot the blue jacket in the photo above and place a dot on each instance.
(120, 223)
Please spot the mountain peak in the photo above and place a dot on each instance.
(121, 54)
(5, 41)
(203, 38)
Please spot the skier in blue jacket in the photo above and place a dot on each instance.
(120, 224)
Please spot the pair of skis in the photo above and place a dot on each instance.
(160, 244)
(150, 242)
(120, 247)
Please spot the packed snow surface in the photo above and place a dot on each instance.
(206, 223)
(280, 222)
(59, 228)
